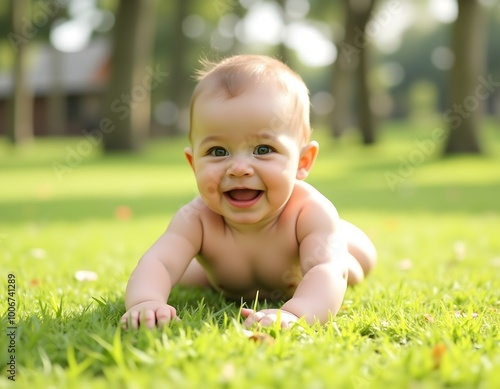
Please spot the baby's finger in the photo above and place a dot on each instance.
(130, 320)
(286, 324)
(148, 318)
(165, 314)
(124, 322)
(253, 318)
(245, 312)
(268, 320)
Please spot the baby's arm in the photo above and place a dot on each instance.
(321, 291)
(324, 267)
(323, 256)
(159, 270)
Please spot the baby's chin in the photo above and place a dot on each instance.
(245, 217)
(246, 220)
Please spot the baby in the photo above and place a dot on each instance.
(257, 229)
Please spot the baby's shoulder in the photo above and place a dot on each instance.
(309, 198)
(315, 210)
(197, 212)
(195, 209)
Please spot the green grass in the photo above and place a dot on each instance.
(428, 316)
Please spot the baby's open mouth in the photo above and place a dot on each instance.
(243, 194)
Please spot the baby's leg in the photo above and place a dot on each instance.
(195, 275)
(362, 252)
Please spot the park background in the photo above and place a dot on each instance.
(94, 102)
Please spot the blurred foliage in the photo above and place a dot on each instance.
(413, 56)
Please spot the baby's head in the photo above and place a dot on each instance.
(249, 137)
(241, 74)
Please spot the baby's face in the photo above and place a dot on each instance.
(244, 155)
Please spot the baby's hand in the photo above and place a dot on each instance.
(267, 317)
(149, 314)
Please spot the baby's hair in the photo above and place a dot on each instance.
(233, 76)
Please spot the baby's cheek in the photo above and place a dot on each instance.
(210, 190)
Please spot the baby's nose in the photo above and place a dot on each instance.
(239, 168)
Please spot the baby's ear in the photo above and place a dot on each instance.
(307, 157)
(188, 152)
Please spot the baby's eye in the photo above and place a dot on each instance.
(218, 152)
(263, 149)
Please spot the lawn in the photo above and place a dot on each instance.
(428, 316)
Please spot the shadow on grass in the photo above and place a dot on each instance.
(84, 208)
(65, 152)
(436, 199)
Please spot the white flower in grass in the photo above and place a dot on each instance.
(38, 253)
(86, 275)
(459, 250)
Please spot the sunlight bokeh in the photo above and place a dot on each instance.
(73, 34)
(445, 11)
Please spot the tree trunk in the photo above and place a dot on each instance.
(128, 104)
(56, 99)
(20, 129)
(366, 120)
(468, 44)
(179, 82)
(282, 51)
(352, 65)
(346, 63)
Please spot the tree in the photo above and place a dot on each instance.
(127, 104)
(180, 46)
(469, 45)
(352, 65)
(283, 54)
(20, 129)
